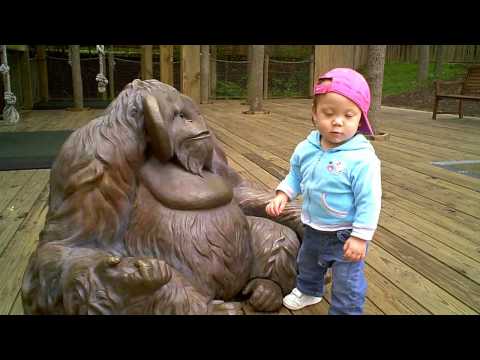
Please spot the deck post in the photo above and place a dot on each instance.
(204, 73)
(111, 73)
(311, 74)
(166, 64)
(213, 71)
(266, 62)
(190, 71)
(42, 73)
(147, 62)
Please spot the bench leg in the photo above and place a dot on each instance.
(435, 106)
(460, 109)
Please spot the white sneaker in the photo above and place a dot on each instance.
(296, 300)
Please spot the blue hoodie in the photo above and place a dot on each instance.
(341, 186)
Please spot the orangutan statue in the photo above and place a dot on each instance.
(146, 217)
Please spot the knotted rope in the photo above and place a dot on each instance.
(10, 114)
(4, 69)
(101, 78)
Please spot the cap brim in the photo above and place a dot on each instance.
(364, 126)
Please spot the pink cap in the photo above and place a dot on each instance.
(352, 85)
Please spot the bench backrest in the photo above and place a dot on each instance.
(471, 85)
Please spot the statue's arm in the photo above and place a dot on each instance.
(253, 199)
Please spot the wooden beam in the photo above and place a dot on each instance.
(76, 78)
(190, 71)
(311, 73)
(26, 80)
(213, 71)
(321, 61)
(147, 62)
(204, 73)
(266, 62)
(42, 72)
(111, 73)
(166, 64)
(17, 47)
(328, 57)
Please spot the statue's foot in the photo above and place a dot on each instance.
(266, 295)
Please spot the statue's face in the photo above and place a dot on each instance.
(178, 122)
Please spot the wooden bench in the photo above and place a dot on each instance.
(470, 90)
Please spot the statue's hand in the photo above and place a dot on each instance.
(135, 273)
(266, 295)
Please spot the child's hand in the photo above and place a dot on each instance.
(277, 204)
(354, 249)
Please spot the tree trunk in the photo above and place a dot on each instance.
(423, 60)
(77, 78)
(439, 61)
(375, 69)
(255, 78)
(204, 73)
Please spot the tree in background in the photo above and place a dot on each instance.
(255, 78)
(439, 61)
(423, 60)
(375, 69)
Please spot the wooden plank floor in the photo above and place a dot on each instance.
(425, 257)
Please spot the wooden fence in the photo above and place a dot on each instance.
(466, 54)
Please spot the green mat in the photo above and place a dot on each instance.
(30, 150)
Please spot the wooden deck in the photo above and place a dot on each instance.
(425, 257)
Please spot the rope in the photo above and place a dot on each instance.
(271, 60)
(68, 59)
(101, 78)
(57, 58)
(232, 61)
(290, 62)
(124, 60)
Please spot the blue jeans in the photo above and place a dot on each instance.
(321, 250)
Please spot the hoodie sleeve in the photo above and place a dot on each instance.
(367, 190)
(291, 184)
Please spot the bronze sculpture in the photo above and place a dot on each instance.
(146, 217)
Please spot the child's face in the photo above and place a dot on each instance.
(336, 118)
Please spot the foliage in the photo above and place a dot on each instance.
(229, 89)
(295, 84)
(402, 77)
(290, 51)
